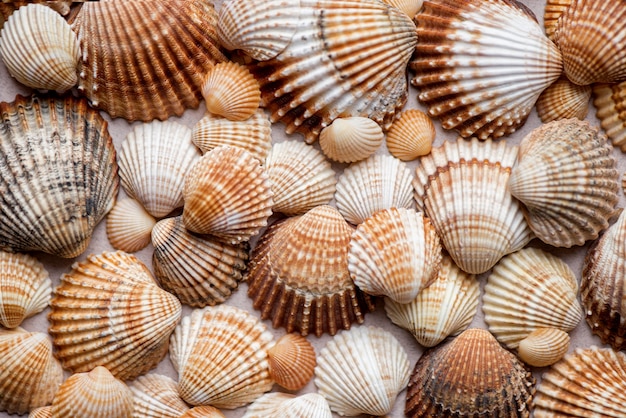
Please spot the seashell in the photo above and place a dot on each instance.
(25, 288)
(220, 354)
(94, 394)
(155, 70)
(42, 412)
(58, 177)
(284, 405)
(379, 182)
(444, 308)
(156, 395)
(298, 274)
(348, 140)
(301, 177)
(462, 188)
(361, 371)
(469, 376)
(30, 374)
(409, 7)
(203, 412)
(291, 361)
(108, 311)
(527, 290)
(227, 194)
(566, 178)
(6, 9)
(552, 11)
(199, 270)
(411, 135)
(563, 100)
(610, 103)
(543, 347)
(154, 159)
(231, 91)
(39, 48)
(589, 382)
(395, 252)
(129, 226)
(459, 67)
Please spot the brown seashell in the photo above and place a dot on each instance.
(291, 361)
(563, 100)
(129, 226)
(411, 135)
(348, 140)
(543, 347)
(43, 412)
(284, 405)
(203, 412)
(156, 395)
(552, 11)
(231, 91)
(610, 103)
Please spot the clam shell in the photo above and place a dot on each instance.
(203, 412)
(552, 11)
(527, 290)
(563, 100)
(462, 188)
(231, 91)
(291, 361)
(543, 347)
(220, 354)
(610, 103)
(409, 7)
(156, 395)
(129, 226)
(444, 308)
(567, 180)
(43, 412)
(58, 177)
(411, 135)
(348, 140)
(108, 311)
(284, 405)
(459, 68)
(469, 376)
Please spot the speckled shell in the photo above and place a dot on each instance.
(156, 396)
(562, 100)
(462, 188)
(610, 103)
(409, 7)
(543, 347)
(43, 412)
(567, 180)
(348, 140)
(469, 376)
(361, 371)
(411, 135)
(231, 91)
(285, 405)
(108, 311)
(220, 354)
(552, 11)
(291, 361)
(203, 412)
(471, 70)
(62, 176)
(129, 226)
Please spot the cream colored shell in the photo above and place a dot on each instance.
(347, 140)
(156, 395)
(409, 7)
(203, 412)
(285, 405)
(543, 347)
(411, 135)
(129, 226)
(229, 90)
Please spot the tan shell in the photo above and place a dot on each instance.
(203, 412)
(610, 103)
(93, 322)
(469, 376)
(409, 7)
(6, 9)
(348, 140)
(543, 347)
(39, 48)
(284, 405)
(156, 395)
(563, 100)
(62, 179)
(129, 226)
(43, 412)
(567, 180)
(231, 91)
(411, 135)
(462, 188)
(291, 361)
(552, 11)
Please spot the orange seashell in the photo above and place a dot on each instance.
(291, 361)
(552, 11)
(203, 412)
(411, 135)
(231, 91)
(156, 395)
(563, 100)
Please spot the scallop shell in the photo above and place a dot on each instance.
(25, 288)
(154, 159)
(409, 7)
(220, 354)
(58, 176)
(459, 67)
(610, 103)
(543, 347)
(155, 70)
(462, 188)
(552, 11)
(43, 412)
(563, 100)
(395, 252)
(379, 182)
(108, 311)
(301, 177)
(291, 361)
(39, 48)
(156, 395)
(567, 180)
(411, 135)
(527, 290)
(284, 405)
(199, 270)
(129, 226)
(361, 371)
(469, 376)
(203, 412)
(348, 140)
(444, 308)
(298, 274)
(231, 91)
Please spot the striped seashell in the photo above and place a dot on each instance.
(347, 140)
(156, 395)
(411, 135)
(543, 347)
(129, 226)
(409, 7)
(291, 361)
(552, 11)
(231, 91)
(203, 412)
(42, 412)
(610, 103)
(284, 405)
(563, 100)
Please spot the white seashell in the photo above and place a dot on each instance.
(156, 395)
(543, 347)
(129, 226)
(284, 405)
(348, 140)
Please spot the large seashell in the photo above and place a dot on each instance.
(469, 376)
(199, 270)
(566, 178)
(472, 71)
(395, 252)
(30, 374)
(379, 182)
(552, 11)
(298, 274)
(610, 103)
(58, 175)
(284, 405)
(462, 188)
(361, 371)
(444, 308)
(231, 91)
(108, 311)
(42, 412)
(411, 135)
(527, 290)
(203, 412)
(291, 361)
(220, 354)
(156, 69)
(39, 48)
(129, 226)
(156, 395)
(25, 288)
(543, 347)
(563, 100)
(348, 140)
(154, 159)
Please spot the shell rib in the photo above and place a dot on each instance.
(610, 103)
(543, 347)
(156, 395)
(203, 412)
(129, 226)
(348, 140)
(563, 100)
(284, 405)
(42, 412)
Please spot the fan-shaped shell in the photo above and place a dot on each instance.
(411, 135)
(43, 412)
(129, 226)
(409, 7)
(156, 395)
(610, 103)
(291, 361)
(566, 177)
(348, 140)
(284, 405)
(462, 188)
(563, 100)
(108, 311)
(552, 11)
(471, 70)
(231, 91)
(543, 347)
(203, 412)
(58, 176)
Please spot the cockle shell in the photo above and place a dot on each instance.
(284, 405)
(220, 353)
(129, 226)
(409, 7)
(203, 412)
(39, 48)
(462, 188)
(610, 103)
(156, 395)
(6, 9)
(552, 11)
(543, 347)
(459, 68)
(108, 311)
(291, 361)
(411, 135)
(563, 100)
(567, 180)
(43, 412)
(231, 91)
(58, 175)
(348, 140)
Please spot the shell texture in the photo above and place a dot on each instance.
(284, 405)
(156, 396)
(543, 347)
(409, 7)
(552, 11)
(129, 226)
(42, 412)
(610, 103)
(347, 140)
(203, 412)
(231, 91)
(411, 135)
(563, 100)
(291, 361)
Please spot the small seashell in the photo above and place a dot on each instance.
(348, 140)
(156, 395)
(610, 103)
(129, 226)
(543, 347)
(552, 11)
(411, 135)
(284, 405)
(563, 100)
(43, 412)
(409, 7)
(291, 361)
(229, 90)
(203, 412)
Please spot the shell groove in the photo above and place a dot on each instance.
(156, 395)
